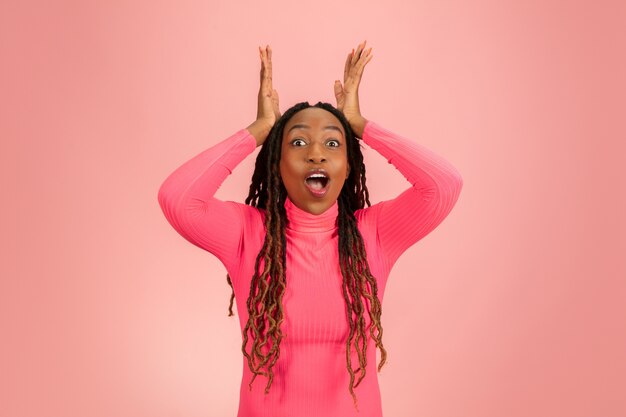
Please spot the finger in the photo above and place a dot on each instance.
(356, 68)
(262, 68)
(338, 89)
(340, 95)
(359, 71)
(365, 58)
(346, 67)
(362, 48)
(267, 73)
(267, 60)
(275, 98)
(357, 54)
(364, 54)
(356, 73)
(350, 69)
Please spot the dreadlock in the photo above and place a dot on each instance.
(265, 299)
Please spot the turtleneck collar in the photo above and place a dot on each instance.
(303, 221)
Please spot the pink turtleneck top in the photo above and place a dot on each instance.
(310, 377)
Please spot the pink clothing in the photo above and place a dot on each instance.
(310, 377)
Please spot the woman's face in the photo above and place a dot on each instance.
(314, 139)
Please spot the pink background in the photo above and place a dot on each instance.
(514, 306)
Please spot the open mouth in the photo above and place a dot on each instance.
(318, 184)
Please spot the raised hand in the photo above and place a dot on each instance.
(268, 97)
(267, 106)
(347, 95)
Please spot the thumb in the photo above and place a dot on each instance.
(338, 88)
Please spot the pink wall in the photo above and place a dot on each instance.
(514, 306)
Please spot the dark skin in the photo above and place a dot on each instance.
(319, 143)
(316, 144)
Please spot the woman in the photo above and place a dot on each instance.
(306, 255)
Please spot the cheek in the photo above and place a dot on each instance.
(286, 172)
(346, 164)
(283, 164)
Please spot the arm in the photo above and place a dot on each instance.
(187, 195)
(435, 183)
(435, 188)
(188, 203)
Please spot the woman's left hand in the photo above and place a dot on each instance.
(347, 95)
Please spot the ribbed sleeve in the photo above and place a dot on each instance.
(187, 197)
(310, 374)
(435, 187)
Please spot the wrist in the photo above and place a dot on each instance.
(260, 130)
(358, 126)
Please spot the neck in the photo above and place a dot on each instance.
(303, 221)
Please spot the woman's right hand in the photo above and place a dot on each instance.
(267, 106)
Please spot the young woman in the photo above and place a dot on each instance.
(306, 259)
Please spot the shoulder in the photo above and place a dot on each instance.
(252, 218)
(367, 219)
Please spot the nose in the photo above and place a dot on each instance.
(316, 153)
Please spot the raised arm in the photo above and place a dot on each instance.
(435, 183)
(435, 188)
(188, 203)
(187, 196)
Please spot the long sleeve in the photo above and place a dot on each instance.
(188, 203)
(435, 188)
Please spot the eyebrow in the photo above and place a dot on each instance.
(303, 126)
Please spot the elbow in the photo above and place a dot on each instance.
(162, 196)
(167, 201)
(453, 191)
(458, 180)
(448, 192)
(171, 210)
(455, 181)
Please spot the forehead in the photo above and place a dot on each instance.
(314, 117)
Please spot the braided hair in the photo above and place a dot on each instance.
(264, 302)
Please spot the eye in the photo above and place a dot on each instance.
(335, 141)
(296, 140)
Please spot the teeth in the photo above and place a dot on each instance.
(317, 176)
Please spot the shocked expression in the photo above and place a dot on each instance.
(314, 160)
